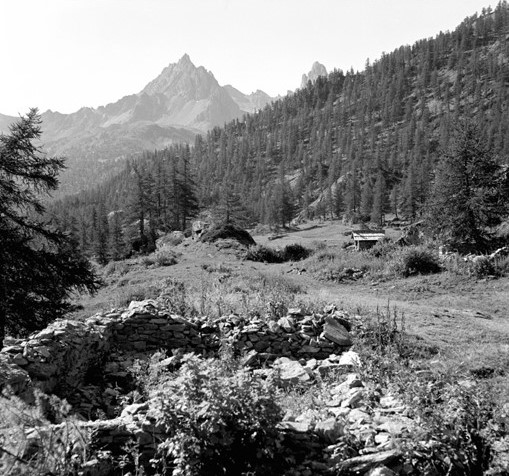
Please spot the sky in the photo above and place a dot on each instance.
(66, 54)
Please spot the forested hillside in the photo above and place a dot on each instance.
(355, 143)
(378, 133)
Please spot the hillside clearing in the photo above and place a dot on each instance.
(466, 319)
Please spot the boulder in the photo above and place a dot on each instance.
(330, 430)
(287, 323)
(290, 372)
(15, 378)
(350, 358)
(336, 332)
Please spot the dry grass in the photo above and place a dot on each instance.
(439, 308)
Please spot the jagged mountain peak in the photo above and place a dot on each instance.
(182, 100)
(185, 59)
(317, 70)
(183, 79)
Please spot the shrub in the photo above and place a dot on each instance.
(227, 231)
(383, 248)
(295, 252)
(135, 292)
(160, 258)
(165, 258)
(115, 267)
(264, 254)
(29, 444)
(171, 239)
(457, 428)
(174, 295)
(483, 266)
(502, 265)
(416, 260)
(221, 420)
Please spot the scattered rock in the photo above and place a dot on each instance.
(290, 372)
(381, 471)
(330, 429)
(364, 463)
(350, 358)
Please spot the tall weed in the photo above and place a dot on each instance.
(221, 420)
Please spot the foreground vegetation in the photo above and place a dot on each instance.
(222, 418)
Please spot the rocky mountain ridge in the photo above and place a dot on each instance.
(317, 70)
(182, 101)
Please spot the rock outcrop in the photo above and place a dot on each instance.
(317, 70)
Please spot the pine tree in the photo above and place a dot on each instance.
(379, 200)
(188, 202)
(339, 204)
(469, 194)
(101, 236)
(40, 265)
(366, 204)
(117, 241)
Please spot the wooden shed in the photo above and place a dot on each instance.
(365, 239)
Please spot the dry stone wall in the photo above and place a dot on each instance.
(59, 358)
(56, 359)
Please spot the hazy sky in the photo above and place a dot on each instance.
(64, 54)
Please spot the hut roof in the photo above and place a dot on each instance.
(367, 235)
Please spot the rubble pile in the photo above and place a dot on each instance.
(59, 358)
(294, 350)
(319, 439)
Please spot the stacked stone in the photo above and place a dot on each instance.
(147, 325)
(58, 358)
(296, 335)
(318, 439)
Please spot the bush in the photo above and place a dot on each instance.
(295, 252)
(31, 445)
(416, 260)
(502, 265)
(160, 258)
(222, 420)
(482, 266)
(165, 258)
(227, 231)
(383, 248)
(265, 254)
(116, 267)
(458, 427)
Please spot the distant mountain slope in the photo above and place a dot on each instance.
(182, 101)
(5, 121)
(354, 144)
(249, 103)
(367, 143)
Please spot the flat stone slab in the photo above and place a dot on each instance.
(335, 332)
(364, 463)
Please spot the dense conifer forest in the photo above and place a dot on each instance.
(354, 144)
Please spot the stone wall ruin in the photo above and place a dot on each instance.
(59, 358)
